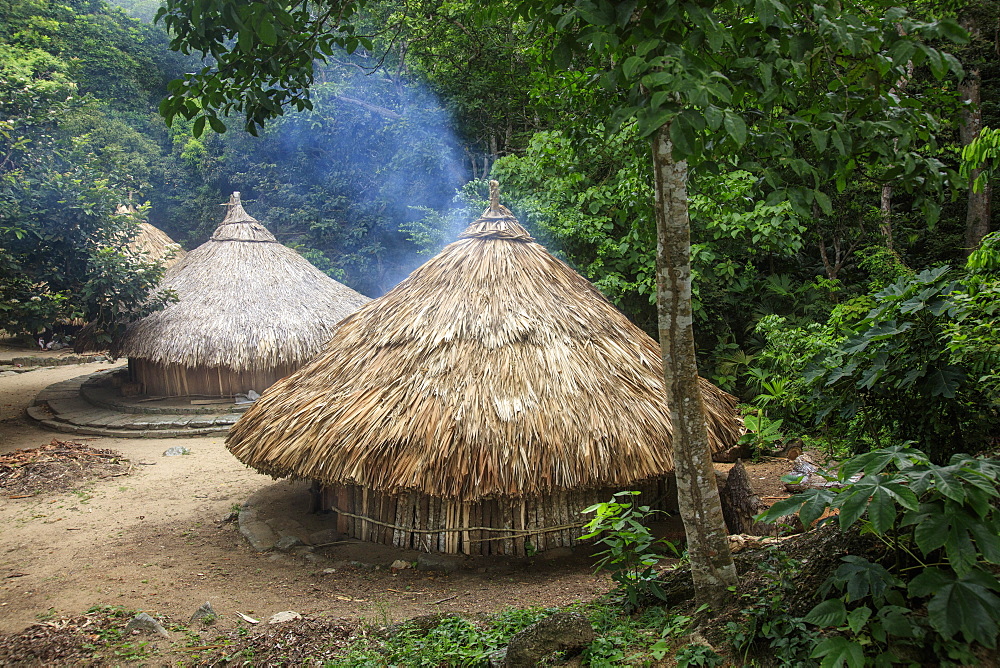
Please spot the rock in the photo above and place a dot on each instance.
(329, 571)
(400, 565)
(446, 563)
(203, 612)
(143, 622)
(560, 632)
(323, 537)
(260, 536)
(175, 451)
(231, 516)
(286, 543)
(286, 616)
(253, 395)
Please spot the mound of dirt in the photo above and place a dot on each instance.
(57, 467)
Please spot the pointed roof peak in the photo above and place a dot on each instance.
(496, 222)
(238, 225)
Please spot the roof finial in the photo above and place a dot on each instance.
(495, 197)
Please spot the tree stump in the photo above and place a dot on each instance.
(740, 504)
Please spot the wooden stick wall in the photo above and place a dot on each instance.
(499, 526)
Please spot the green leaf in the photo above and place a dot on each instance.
(217, 125)
(857, 618)
(736, 128)
(839, 651)
(824, 202)
(831, 612)
(965, 605)
(632, 65)
(199, 127)
(881, 512)
(266, 33)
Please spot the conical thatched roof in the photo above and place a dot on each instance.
(245, 302)
(493, 370)
(153, 241)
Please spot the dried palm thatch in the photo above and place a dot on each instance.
(493, 371)
(152, 241)
(247, 305)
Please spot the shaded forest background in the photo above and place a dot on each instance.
(864, 324)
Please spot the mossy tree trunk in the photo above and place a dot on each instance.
(698, 494)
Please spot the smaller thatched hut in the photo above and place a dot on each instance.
(153, 242)
(477, 407)
(249, 311)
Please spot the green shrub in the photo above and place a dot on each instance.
(936, 592)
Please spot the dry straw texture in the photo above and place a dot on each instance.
(493, 370)
(155, 243)
(245, 302)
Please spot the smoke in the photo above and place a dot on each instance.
(367, 178)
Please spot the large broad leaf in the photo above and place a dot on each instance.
(839, 651)
(863, 578)
(830, 612)
(952, 528)
(876, 460)
(877, 494)
(965, 605)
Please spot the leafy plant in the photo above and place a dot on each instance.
(766, 627)
(698, 655)
(894, 377)
(633, 552)
(762, 433)
(940, 520)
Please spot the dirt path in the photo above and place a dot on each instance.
(153, 541)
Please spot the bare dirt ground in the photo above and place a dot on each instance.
(155, 541)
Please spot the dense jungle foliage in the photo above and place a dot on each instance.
(846, 283)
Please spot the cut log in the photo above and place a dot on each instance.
(740, 504)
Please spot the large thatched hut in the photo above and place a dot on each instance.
(249, 311)
(478, 407)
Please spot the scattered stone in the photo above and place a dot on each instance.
(175, 451)
(439, 562)
(329, 571)
(231, 516)
(259, 535)
(143, 622)
(286, 543)
(363, 565)
(560, 632)
(400, 565)
(286, 616)
(323, 537)
(203, 612)
(811, 476)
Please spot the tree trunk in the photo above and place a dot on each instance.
(886, 209)
(698, 494)
(977, 218)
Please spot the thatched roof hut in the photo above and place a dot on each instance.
(249, 311)
(152, 241)
(480, 404)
